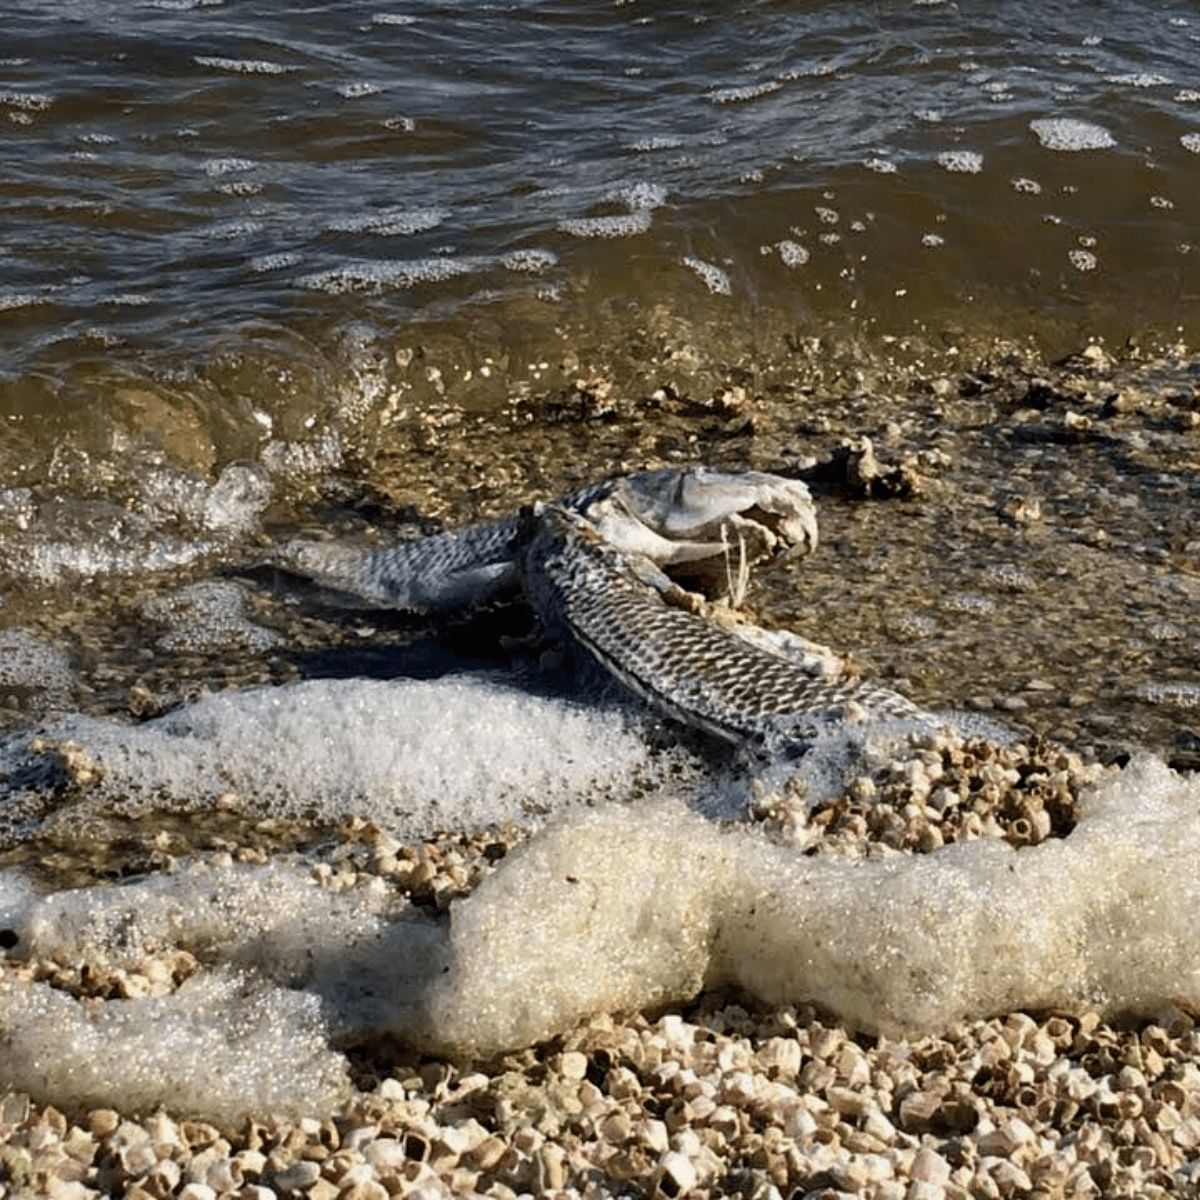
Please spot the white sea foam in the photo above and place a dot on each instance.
(62, 537)
(20, 300)
(26, 101)
(414, 756)
(744, 92)
(640, 199)
(226, 166)
(530, 262)
(1191, 141)
(241, 66)
(1068, 133)
(391, 222)
(792, 253)
(379, 276)
(963, 161)
(1176, 694)
(357, 88)
(212, 614)
(716, 280)
(610, 909)
(619, 225)
(1140, 79)
(657, 141)
(28, 662)
(222, 1045)
(279, 261)
(641, 196)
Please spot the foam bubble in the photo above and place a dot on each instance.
(414, 756)
(1140, 79)
(1083, 260)
(381, 276)
(750, 91)
(620, 225)
(1191, 141)
(964, 161)
(20, 300)
(279, 261)
(1101, 919)
(391, 222)
(531, 262)
(28, 662)
(1068, 133)
(640, 196)
(616, 908)
(1174, 694)
(226, 166)
(357, 88)
(16, 507)
(792, 253)
(241, 66)
(658, 141)
(640, 199)
(222, 1046)
(206, 616)
(716, 280)
(26, 101)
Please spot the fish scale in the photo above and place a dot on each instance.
(680, 663)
